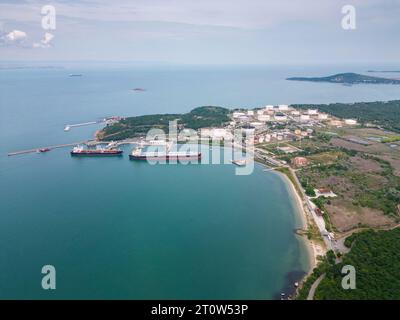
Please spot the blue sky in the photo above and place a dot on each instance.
(202, 32)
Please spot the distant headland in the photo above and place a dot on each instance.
(348, 78)
(384, 71)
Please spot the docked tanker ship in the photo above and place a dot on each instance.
(137, 154)
(79, 151)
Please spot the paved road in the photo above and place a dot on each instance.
(319, 221)
(314, 287)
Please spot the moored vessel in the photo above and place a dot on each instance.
(239, 163)
(80, 151)
(137, 154)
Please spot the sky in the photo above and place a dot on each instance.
(201, 31)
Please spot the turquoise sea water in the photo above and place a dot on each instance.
(119, 229)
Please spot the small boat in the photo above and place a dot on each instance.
(75, 75)
(296, 284)
(139, 89)
(42, 150)
(240, 163)
(67, 128)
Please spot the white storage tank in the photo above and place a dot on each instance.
(280, 117)
(350, 122)
(238, 114)
(264, 118)
(304, 117)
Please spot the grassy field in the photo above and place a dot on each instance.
(365, 177)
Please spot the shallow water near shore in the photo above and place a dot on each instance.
(120, 229)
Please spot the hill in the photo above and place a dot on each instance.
(201, 117)
(348, 78)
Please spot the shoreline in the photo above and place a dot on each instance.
(313, 249)
(310, 245)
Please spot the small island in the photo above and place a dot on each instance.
(348, 78)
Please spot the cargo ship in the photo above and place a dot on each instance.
(80, 151)
(137, 154)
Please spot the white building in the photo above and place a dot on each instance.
(312, 112)
(304, 117)
(238, 114)
(264, 118)
(243, 118)
(269, 107)
(250, 113)
(283, 107)
(260, 112)
(156, 142)
(350, 122)
(257, 124)
(323, 116)
(216, 133)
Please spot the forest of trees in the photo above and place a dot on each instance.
(376, 258)
(131, 127)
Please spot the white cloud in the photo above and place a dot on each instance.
(13, 38)
(16, 35)
(45, 42)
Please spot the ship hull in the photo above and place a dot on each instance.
(96, 154)
(165, 157)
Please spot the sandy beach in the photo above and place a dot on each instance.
(314, 249)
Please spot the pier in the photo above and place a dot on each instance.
(69, 126)
(16, 153)
(89, 143)
(106, 120)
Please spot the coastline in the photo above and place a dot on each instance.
(313, 250)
